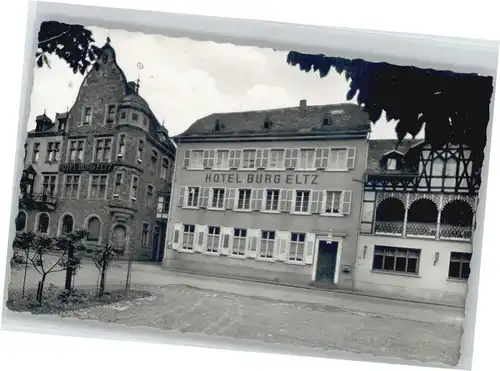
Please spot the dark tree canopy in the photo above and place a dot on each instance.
(72, 43)
(453, 106)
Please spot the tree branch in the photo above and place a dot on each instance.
(55, 37)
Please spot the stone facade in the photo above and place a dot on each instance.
(109, 123)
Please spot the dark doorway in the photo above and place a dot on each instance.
(159, 232)
(327, 260)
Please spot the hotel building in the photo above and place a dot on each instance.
(274, 195)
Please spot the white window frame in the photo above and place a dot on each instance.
(324, 205)
(298, 244)
(133, 199)
(209, 248)
(65, 178)
(140, 150)
(115, 194)
(45, 175)
(89, 190)
(241, 240)
(216, 163)
(294, 202)
(164, 170)
(237, 199)
(94, 150)
(120, 151)
(265, 242)
(392, 164)
(282, 162)
(83, 122)
(313, 160)
(53, 152)
(184, 235)
(200, 159)
(150, 201)
(330, 159)
(264, 201)
(76, 141)
(211, 198)
(107, 119)
(250, 150)
(186, 197)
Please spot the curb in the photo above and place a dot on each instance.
(312, 288)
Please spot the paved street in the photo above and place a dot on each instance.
(286, 315)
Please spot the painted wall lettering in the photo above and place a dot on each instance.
(250, 178)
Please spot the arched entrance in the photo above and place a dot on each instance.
(119, 238)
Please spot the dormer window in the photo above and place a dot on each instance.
(218, 126)
(391, 164)
(162, 136)
(267, 123)
(327, 120)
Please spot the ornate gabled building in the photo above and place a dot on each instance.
(105, 165)
(417, 221)
(272, 194)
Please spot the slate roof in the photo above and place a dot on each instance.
(346, 118)
(377, 148)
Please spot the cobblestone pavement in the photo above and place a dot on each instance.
(196, 310)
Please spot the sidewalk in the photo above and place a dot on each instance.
(146, 274)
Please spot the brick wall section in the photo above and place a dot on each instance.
(102, 87)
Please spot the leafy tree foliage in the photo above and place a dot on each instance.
(72, 43)
(453, 106)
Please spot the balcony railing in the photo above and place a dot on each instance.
(393, 228)
(423, 230)
(455, 232)
(414, 229)
(38, 201)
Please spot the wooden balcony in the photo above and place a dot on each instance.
(423, 230)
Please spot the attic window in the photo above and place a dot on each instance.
(105, 58)
(267, 123)
(327, 120)
(217, 126)
(391, 164)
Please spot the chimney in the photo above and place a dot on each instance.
(133, 86)
(303, 104)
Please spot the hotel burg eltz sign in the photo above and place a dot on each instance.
(238, 178)
(96, 167)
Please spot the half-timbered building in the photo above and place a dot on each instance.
(417, 221)
(272, 195)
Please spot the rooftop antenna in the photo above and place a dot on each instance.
(140, 66)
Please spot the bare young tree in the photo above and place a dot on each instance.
(102, 258)
(48, 255)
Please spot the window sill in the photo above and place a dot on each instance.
(215, 208)
(244, 210)
(221, 169)
(236, 256)
(185, 251)
(457, 280)
(293, 262)
(210, 253)
(270, 211)
(300, 213)
(336, 170)
(195, 168)
(332, 215)
(268, 260)
(191, 207)
(397, 274)
(246, 169)
(300, 169)
(275, 169)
